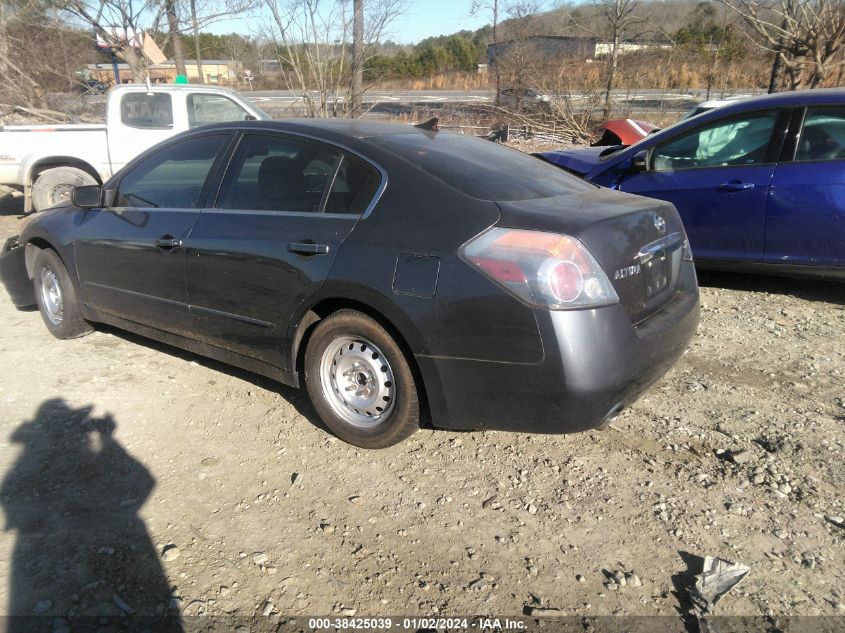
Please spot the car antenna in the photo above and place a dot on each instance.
(432, 125)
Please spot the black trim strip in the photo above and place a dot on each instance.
(228, 315)
(236, 317)
(136, 294)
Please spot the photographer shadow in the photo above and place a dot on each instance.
(82, 553)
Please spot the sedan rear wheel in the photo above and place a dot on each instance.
(56, 297)
(360, 381)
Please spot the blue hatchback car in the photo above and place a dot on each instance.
(760, 184)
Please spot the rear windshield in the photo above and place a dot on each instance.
(483, 169)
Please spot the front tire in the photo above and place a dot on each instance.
(360, 381)
(56, 297)
(55, 186)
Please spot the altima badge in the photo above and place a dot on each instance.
(659, 223)
(629, 271)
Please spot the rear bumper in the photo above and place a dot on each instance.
(13, 273)
(596, 362)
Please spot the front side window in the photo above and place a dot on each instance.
(738, 141)
(274, 173)
(823, 134)
(172, 177)
(147, 111)
(204, 109)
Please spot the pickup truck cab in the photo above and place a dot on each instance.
(47, 161)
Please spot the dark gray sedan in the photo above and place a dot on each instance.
(399, 272)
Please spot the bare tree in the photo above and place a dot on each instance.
(204, 13)
(357, 57)
(620, 17)
(523, 61)
(197, 49)
(311, 39)
(11, 74)
(493, 7)
(175, 36)
(244, 50)
(806, 36)
(121, 24)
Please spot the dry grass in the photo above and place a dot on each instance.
(441, 81)
(676, 70)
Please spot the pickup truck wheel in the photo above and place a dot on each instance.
(56, 297)
(360, 381)
(55, 186)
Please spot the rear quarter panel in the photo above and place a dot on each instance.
(467, 316)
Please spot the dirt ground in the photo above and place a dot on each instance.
(138, 477)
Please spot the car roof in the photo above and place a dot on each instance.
(327, 128)
(142, 87)
(816, 96)
(717, 103)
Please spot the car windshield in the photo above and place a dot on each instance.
(483, 169)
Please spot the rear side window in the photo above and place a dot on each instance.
(482, 169)
(275, 173)
(173, 177)
(149, 111)
(823, 135)
(204, 109)
(353, 188)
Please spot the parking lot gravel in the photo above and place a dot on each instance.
(133, 471)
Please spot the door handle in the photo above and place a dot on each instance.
(308, 248)
(168, 241)
(735, 185)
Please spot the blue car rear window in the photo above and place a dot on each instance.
(483, 169)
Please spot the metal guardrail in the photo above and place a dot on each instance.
(508, 132)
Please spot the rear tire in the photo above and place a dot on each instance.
(360, 381)
(54, 187)
(56, 297)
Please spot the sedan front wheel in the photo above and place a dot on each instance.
(56, 297)
(360, 381)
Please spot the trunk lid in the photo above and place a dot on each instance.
(637, 241)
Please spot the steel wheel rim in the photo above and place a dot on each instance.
(357, 381)
(51, 296)
(61, 193)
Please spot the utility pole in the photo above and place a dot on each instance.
(357, 58)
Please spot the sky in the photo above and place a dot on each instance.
(425, 18)
(422, 19)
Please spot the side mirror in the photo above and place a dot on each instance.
(639, 162)
(250, 117)
(87, 197)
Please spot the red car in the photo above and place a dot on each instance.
(621, 132)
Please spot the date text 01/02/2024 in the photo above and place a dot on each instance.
(416, 623)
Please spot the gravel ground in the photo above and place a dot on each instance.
(138, 477)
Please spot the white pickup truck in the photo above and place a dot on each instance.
(47, 161)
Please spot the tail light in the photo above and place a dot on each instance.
(545, 270)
